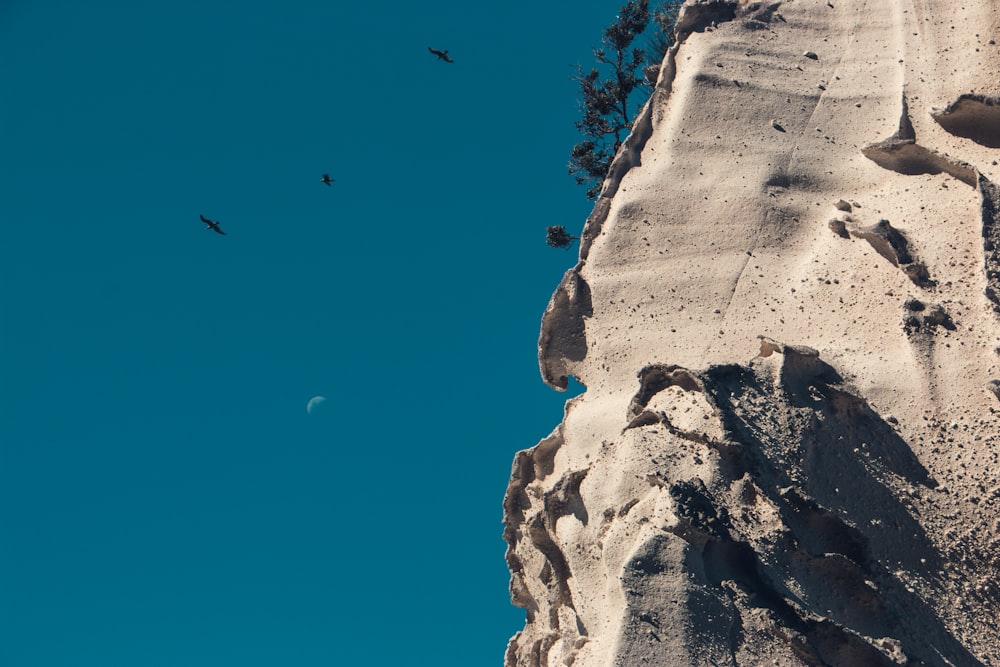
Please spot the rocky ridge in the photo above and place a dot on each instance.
(787, 325)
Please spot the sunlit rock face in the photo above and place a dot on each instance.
(786, 313)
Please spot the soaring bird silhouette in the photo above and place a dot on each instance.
(211, 224)
(442, 55)
(326, 179)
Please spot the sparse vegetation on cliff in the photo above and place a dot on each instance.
(664, 18)
(557, 237)
(608, 89)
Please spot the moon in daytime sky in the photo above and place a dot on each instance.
(313, 402)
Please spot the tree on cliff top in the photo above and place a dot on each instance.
(607, 112)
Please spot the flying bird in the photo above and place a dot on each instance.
(442, 55)
(326, 179)
(211, 224)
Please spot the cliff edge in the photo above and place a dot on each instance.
(786, 313)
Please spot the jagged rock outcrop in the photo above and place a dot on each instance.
(901, 153)
(788, 451)
(893, 245)
(974, 116)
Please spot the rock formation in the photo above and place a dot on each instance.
(788, 327)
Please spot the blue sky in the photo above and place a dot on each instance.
(164, 497)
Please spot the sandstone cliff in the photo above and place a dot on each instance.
(786, 313)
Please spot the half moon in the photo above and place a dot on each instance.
(313, 402)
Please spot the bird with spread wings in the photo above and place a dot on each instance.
(212, 224)
(442, 55)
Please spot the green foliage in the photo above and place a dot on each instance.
(607, 89)
(557, 237)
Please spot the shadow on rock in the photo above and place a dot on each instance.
(839, 575)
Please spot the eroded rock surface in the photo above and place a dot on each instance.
(787, 452)
(974, 116)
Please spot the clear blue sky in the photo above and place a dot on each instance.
(164, 497)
